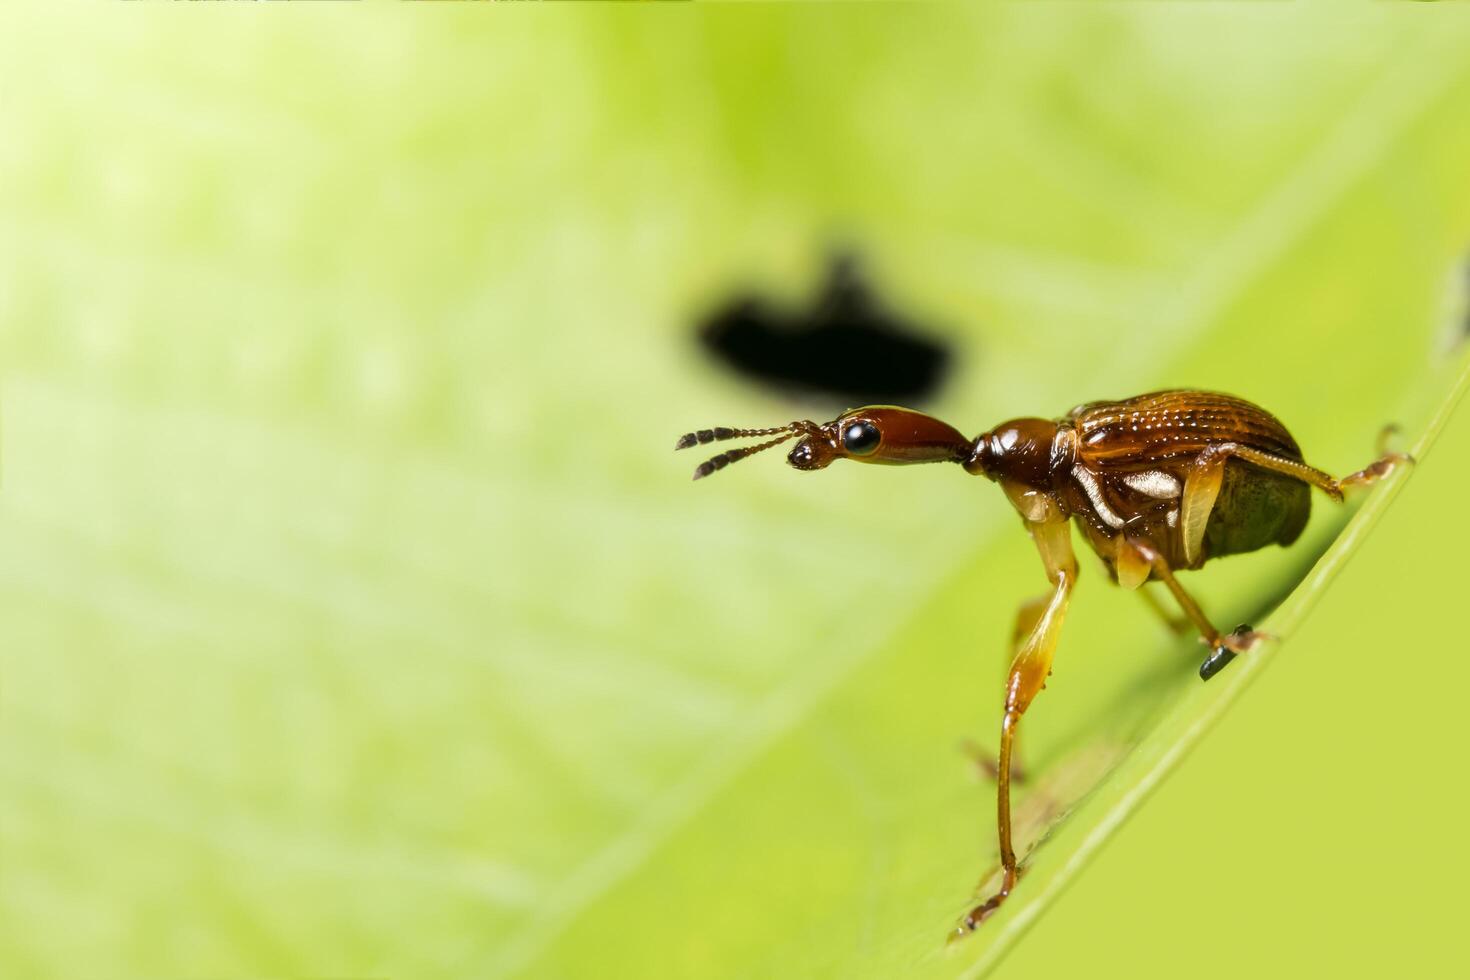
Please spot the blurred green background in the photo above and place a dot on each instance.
(358, 620)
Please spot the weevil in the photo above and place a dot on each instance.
(1159, 483)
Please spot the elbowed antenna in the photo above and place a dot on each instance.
(782, 433)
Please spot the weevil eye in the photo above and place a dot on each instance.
(861, 438)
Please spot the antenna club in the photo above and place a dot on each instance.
(720, 433)
(729, 456)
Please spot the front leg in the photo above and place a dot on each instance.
(1025, 680)
(1027, 616)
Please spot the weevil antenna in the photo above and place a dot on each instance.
(720, 433)
(735, 455)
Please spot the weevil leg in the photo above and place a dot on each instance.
(1174, 624)
(1131, 568)
(1202, 485)
(1224, 646)
(1201, 488)
(1386, 436)
(1386, 463)
(1025, 679)
(1027, 615)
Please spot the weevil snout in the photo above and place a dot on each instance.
(876, 434)
(891, 435)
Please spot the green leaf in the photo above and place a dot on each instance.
(359, 620)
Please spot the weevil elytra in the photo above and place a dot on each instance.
(1156, 484)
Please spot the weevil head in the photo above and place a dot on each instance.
(876, 434)
(817, 449)
(880, 434)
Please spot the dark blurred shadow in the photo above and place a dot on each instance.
(846, 346)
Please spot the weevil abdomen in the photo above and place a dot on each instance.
(1255, 508)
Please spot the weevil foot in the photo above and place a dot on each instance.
(977, 915)
(1010, 875)
(1240, 640)
(1380, 468)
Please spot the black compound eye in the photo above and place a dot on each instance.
(860, 438)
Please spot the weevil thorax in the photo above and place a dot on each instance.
(1034, 453)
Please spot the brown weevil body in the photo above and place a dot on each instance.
(1156, 484)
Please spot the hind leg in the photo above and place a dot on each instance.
(1386, 463)
(1202, 485)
